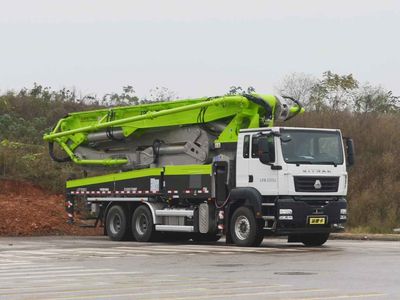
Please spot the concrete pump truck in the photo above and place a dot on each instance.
(207, 167)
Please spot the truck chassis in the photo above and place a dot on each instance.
(194, 202)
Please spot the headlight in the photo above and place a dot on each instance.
(285, 211)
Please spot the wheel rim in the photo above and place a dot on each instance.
(115, 225)
(142, 224)
(242, 228)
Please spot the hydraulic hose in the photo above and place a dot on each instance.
(299, 107)
(259, 101)
(54, 157)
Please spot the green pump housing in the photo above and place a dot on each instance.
(165, 133)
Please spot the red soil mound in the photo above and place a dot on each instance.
(29, 210)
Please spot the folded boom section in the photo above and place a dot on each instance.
(179, 132)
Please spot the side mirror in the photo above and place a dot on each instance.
(266, 150)
(350, 152)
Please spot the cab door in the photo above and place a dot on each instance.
(242, 160)
(261, 176)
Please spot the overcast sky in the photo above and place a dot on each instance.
(195, 48)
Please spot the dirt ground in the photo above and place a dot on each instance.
(29, 210)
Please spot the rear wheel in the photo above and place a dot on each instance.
(117, 223)
(314, 240)
(142, 224)
(244, 228)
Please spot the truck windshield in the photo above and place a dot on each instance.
(311, 147)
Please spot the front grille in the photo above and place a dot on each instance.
(311, 184)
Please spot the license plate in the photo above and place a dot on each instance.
(316, 220)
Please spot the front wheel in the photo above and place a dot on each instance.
(142, 224)
(314, 240)
(245, 230)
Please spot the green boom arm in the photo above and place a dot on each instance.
(247, 111)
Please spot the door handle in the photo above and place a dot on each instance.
(251, 178)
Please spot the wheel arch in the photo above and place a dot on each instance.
(242, 196)
(245, 196)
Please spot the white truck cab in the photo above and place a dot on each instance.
(301, 176)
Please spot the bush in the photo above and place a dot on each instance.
(32, 163)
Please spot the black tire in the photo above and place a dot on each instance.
(117, 223)
(142, 224)
(314, 240)
(244, 228)
(260, 238)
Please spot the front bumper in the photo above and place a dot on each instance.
(292, 215)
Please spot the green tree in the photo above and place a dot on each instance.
(337, 90)
(127, 97)
(331, 92)
(238, 90)
(160, 94)
(376, 99)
